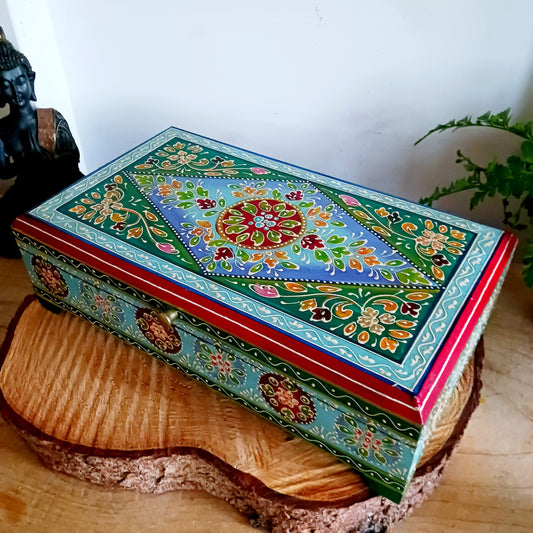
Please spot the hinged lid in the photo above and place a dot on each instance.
(374, 294)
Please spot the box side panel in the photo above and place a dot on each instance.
(378, 444)
(277, 341)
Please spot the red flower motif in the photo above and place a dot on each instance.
(205, 203)
(312, 241)
(321, 313)
(294, 195)
(439, 260)
(223, 253)
(410, 308)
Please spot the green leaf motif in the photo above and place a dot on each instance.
(339, 264)
(411, 276)
(257, 237)
(265, 206)
(274, 236)
(395, 263)
(249, 208)
(387, 275)
(236, 229)
(336, 239)
(288, 264)
(286, 213)
(289, 223)
(234, 219)
(320, 255)
(256, 268)
(242, 255)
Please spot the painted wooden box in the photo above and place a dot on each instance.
(343, 314)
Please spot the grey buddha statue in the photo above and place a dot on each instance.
(36, 145)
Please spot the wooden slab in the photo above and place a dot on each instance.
(96, 408)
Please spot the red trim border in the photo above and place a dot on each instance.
(414, 408)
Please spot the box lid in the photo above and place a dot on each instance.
(374, 294)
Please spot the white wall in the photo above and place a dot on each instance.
(342, 87)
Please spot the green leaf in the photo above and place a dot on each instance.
(256, 268)
(210, 213)
(185, 195)
(288, 264)
(258, 238)
(288, 232)
(339, 251)
(242, 255)
(236, 229)
(338, 224)
(387, 275)
(289, 223)
(320, 255)
(185, 205)
(380, 457)
(339, 264)
(211, 266)
(477, 197)
(194, 241)
(336, 239)
(395, 263)
(411, 276)
(527, 151)
(345, 430)
(249, 208)
(285, 213)
(274, 236)
(265, 206)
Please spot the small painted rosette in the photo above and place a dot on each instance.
(164, 337)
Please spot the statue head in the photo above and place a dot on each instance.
(17, 79)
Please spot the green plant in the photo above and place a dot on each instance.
(512, 181)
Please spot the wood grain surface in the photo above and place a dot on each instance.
(32, 498)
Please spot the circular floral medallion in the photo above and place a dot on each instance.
(164, 337)
(287, 398)
(50, 277)
(261, 223)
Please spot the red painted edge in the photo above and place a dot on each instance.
(355, 381)
(459, 336)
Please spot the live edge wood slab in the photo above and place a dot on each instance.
(486, 487)
(96, 408)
